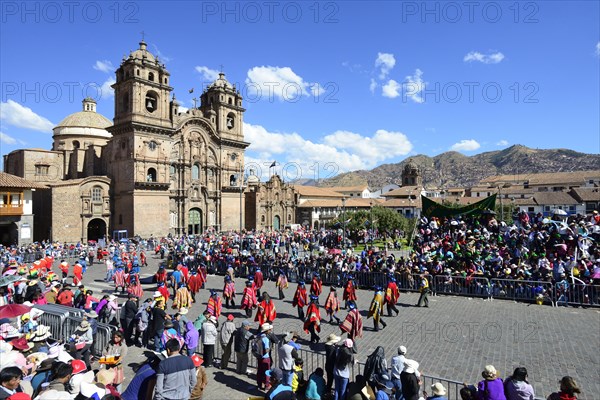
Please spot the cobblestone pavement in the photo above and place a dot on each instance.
(454, 338)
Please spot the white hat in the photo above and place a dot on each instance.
(438, 389)
(41, 333)
(213, 319)
(265, 327)
(89, 390)
(54, 394)
(112, 297)
(157, 294)
(410, 366)
(183, 311)
(333, 338)
(489, 372)
(402, 350)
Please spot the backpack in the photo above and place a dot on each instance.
(258, 347)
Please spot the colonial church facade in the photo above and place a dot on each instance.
(153, 170)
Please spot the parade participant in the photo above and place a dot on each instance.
(65, 296)
(120, 278)
(183, 298)
(391, 296)
(64, 268)
(176, 279)
(316, 286)
(249, 299)
(424, 290)
(229, 291)
(161, 275)
(312, 323)
(266, 310)
(300, 299)
(349, 291)
(215, 304)
(332, 305)
(135, 286)
(353, 324)
(282, 283)
(258, 281)
(164, 292)
(77, 273)
(194, 284)
(376, 308)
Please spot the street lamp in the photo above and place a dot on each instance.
(371, 218)
(343, 222)
(500, 186)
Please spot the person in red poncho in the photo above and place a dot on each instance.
(282, 283)
(266, 310)
(258, 281)
(316, 286)
(249, 299)
(77, 273)
(164, 291)
(332, 306)
(353, 324)
(300, 299)
(215, 304)
(349, 291)
(391, 297)
(312, 323)
(194, 284)
(229, 291)
(64, 268)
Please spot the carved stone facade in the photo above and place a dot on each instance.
(270, 205)
(159, 171)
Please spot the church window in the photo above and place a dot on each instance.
(196, 193)
(152, 145)
(96, 194)
(165, 81)
(289, 217)
(138, 72)
(76, 144)
(195, 171)
(172, 169)
(232, 180)
(151, 101)
(151, 176)
(262, 219)
(230, 101)
(230, 121)
(151, 76)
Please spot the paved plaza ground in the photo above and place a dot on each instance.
(454, 338)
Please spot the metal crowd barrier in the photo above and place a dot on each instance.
(55, 317)
(460, 285)
(101, 338)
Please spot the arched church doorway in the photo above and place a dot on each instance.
(276, 222)
(195, 221)
(96, 229)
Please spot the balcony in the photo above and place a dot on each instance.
(7, 210)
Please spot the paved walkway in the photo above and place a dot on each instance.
(454, 338)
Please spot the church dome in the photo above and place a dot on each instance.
(85, 123)
(221, 82)
(142, 53)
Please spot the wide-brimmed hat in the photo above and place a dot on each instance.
(410, 366)
(489, 372)
(385, 381)
(41, 333)
(265, 327)
(402, 350)
(91, 314)
(45, 365)
(157, 294)
(333, 338)
(90, 390)
(183, 311)
(438, 389)
(212, 319)
(106, 376)
(112, 297)
(84, 325)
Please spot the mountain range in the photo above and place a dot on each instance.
(453, 169)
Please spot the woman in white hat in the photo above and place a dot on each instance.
(409, 380)
(492, 386)
(83, 341)
(439, 392)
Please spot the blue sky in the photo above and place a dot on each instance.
(353, 83)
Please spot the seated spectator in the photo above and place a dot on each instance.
(491, 387)
(568, 390)
(516, 386)
(279, 390)
(10, 382)
(315, 388)
(439, 392)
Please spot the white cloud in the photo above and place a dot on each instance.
(491, 58)
(162, 57)
(598, 49)
(414, 86)
(465, 145)
(104, 66)
(385, 62)
(4, 138)
(13, 113)
(208, 75)
(346, 151)
(391, 89)
(106, 91)
(373, 85)
(502, 143)
(279, 82)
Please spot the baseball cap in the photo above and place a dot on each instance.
(276, 373)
